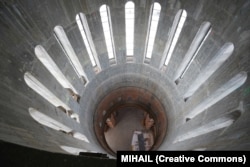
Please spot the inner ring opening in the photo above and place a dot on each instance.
(130, 118)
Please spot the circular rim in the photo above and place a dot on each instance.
(130, 97)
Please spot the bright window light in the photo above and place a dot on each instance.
(129, 20)
(87, 39)
(80, 136)
(204, 129)
(63, 40)
(222, 92)
(75, 117)
(53, 124)
(193, 50)
(195, 54)
(47, 61)
(215, 63)
(38, 87)
(178, 23)
(47, 121)
(107, 29)
(152, 28)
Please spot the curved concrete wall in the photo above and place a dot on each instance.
(133, 75)
(26, 24)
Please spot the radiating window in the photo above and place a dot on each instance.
(207, 128)
(130, 21)
(87, 39)
(152, 29)
(80, 136)
(63, 41)
(53, 124)
(225, 89)
(47, 121)
(107, 29)
(177, 26)
(47, 61)
(39, 88)
(221, 56)
(193, 50)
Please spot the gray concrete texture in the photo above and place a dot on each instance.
(25, 24)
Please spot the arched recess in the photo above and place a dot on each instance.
(83, 26)
(129, 23)
(39, 88)
(225, 89)
(224, 121)
(108, 33)
(54, 124)
(215, 63)
(47, 121)
(151, 32)
(66, 46)
(175, 32)
(207, 128)
(51, 66)
(193, 50)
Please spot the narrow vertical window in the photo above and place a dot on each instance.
(47, 61)
(39, 88)
(63, 41)
(80, 136)
(177, 26)
(152, 29)
(193, 50)
(47, 121)
(54, 124)
(108, 33)
(210, 127)
(88, 41)
(129, 21)
(221, 56)
(219, 94)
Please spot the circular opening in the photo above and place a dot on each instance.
(130, 118)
